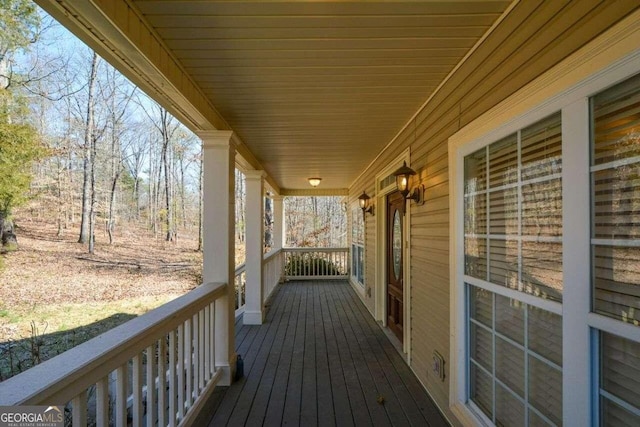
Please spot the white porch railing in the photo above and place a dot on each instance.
(240, 282)
(272, 265)
(157, 368)
(293, 263)
(316, 263)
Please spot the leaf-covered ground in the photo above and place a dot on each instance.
(53, 290)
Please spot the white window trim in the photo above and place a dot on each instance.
(355, 283)
(614, 56)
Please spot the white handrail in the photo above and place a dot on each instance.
(326, 250)
(184, 326)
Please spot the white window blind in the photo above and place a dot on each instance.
(619, 381)
(615, 245)
(513, 211)
(615, 177)
(515, 358)
(357, 245)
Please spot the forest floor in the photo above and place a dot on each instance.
(55, 295)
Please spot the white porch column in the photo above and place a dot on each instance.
(218, 241)
(253, 309)
(278, 222)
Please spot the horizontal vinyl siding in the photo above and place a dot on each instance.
(514, 54)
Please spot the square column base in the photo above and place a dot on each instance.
(253, 317)
(228, 372)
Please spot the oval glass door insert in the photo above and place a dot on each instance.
(397, 244)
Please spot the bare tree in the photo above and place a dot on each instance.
(89, 143)
(118, 97)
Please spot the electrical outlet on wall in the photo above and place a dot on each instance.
(438, 365)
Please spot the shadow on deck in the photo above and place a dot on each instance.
(320, 359)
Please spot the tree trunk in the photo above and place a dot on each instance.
(88, 150)
(7, 233)
(182, 194)
(167, 177)
(92, 204)
(112, 203)
(61, 212)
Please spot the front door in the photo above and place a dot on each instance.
(395, 262)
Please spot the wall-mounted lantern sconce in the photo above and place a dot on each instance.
(403, 180)
(364, 201)
(314, 182)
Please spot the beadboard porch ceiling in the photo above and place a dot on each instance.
(312, 88)
(318, 88)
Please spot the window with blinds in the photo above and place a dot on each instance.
(513, 211)
(357, 245)
(515, 360)
(615, 245)
(513, 238)
(513, 241)
(619, 381)
(615, 199)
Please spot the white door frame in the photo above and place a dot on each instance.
(380, 307)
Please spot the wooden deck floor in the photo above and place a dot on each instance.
(321, 359)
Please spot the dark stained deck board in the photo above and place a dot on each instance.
(275, 408)
(342, 410)
(424, 403)
(253, 380)
(309, 411)
(263, 394)
(383, 390)
(367, 381)
(399, 389)
(357, 402)
(321, 359)
(326, 413)
(248, 348)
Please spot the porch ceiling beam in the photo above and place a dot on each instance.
(120, 35)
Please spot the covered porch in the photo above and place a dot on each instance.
(319, 359)
(349, 91)
(317, 356)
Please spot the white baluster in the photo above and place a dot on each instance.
(151, 386)
(79, 409)
(188, 352)
(196, 356)
(137, 391)
(102, 402)
(212, 322)
(122, 374)
(162, 381)
(201, 348)
(181, 372)
(172, 378)
(207, 344)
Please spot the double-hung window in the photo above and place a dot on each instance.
(615, 248)
(513, 247)
(524, 309)
(357, 246)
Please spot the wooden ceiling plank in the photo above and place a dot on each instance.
(322, 8)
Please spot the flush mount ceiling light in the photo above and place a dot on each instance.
(314, 182)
